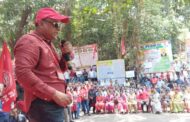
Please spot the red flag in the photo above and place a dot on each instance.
(94, 50)
(123, 51)
(7, 79)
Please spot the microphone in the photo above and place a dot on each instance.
(68, 59)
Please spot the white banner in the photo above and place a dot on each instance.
(85, 56)
(130, 74)
(111, 70)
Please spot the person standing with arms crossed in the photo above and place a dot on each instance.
(39, 69)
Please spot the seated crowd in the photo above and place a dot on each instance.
(156, 97)
(149, 95)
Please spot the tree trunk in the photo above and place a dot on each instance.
(67, 11)
(23, 22)
(139, 4)
(124, 34)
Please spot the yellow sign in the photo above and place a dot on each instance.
(105, 63)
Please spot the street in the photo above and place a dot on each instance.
(166, 117)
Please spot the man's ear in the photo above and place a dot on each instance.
(40, 24)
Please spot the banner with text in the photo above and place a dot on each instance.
(157, 56)
(111, 70)
(85, 55)
(187, 45)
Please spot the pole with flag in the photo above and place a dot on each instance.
(123, 50)
(7, 79)
(94, 50)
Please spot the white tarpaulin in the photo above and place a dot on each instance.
(85, 55)
(111, 70)
(130, 74)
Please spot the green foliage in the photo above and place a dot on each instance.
(104, 22)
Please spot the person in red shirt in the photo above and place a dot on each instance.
(109, 103)
(144, 99)
(100, 105)
(39, 69)
(85, 100)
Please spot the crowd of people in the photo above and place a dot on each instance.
(153, 93)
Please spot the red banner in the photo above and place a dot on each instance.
(7, 79)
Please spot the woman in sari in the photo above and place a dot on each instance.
(165, 101)
(100, 105)
(132, 102)
(155, 102)
(123, 103)
(187, 99)
(177, 102)
(109, 103)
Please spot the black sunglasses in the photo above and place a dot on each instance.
(55, 24)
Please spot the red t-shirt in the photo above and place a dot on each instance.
(154, 80)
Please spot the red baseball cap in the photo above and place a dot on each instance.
(44, 13)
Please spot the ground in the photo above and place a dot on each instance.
(166, 117)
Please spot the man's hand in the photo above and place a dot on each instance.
(62, 99)
(1, 89)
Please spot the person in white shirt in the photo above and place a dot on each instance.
(21, 117)
(79, 75)
(177, 67)
(92, 75)
(67, 76)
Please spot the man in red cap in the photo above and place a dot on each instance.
(39, 69)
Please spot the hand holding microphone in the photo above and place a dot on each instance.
(67, 51)
(66, 47)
